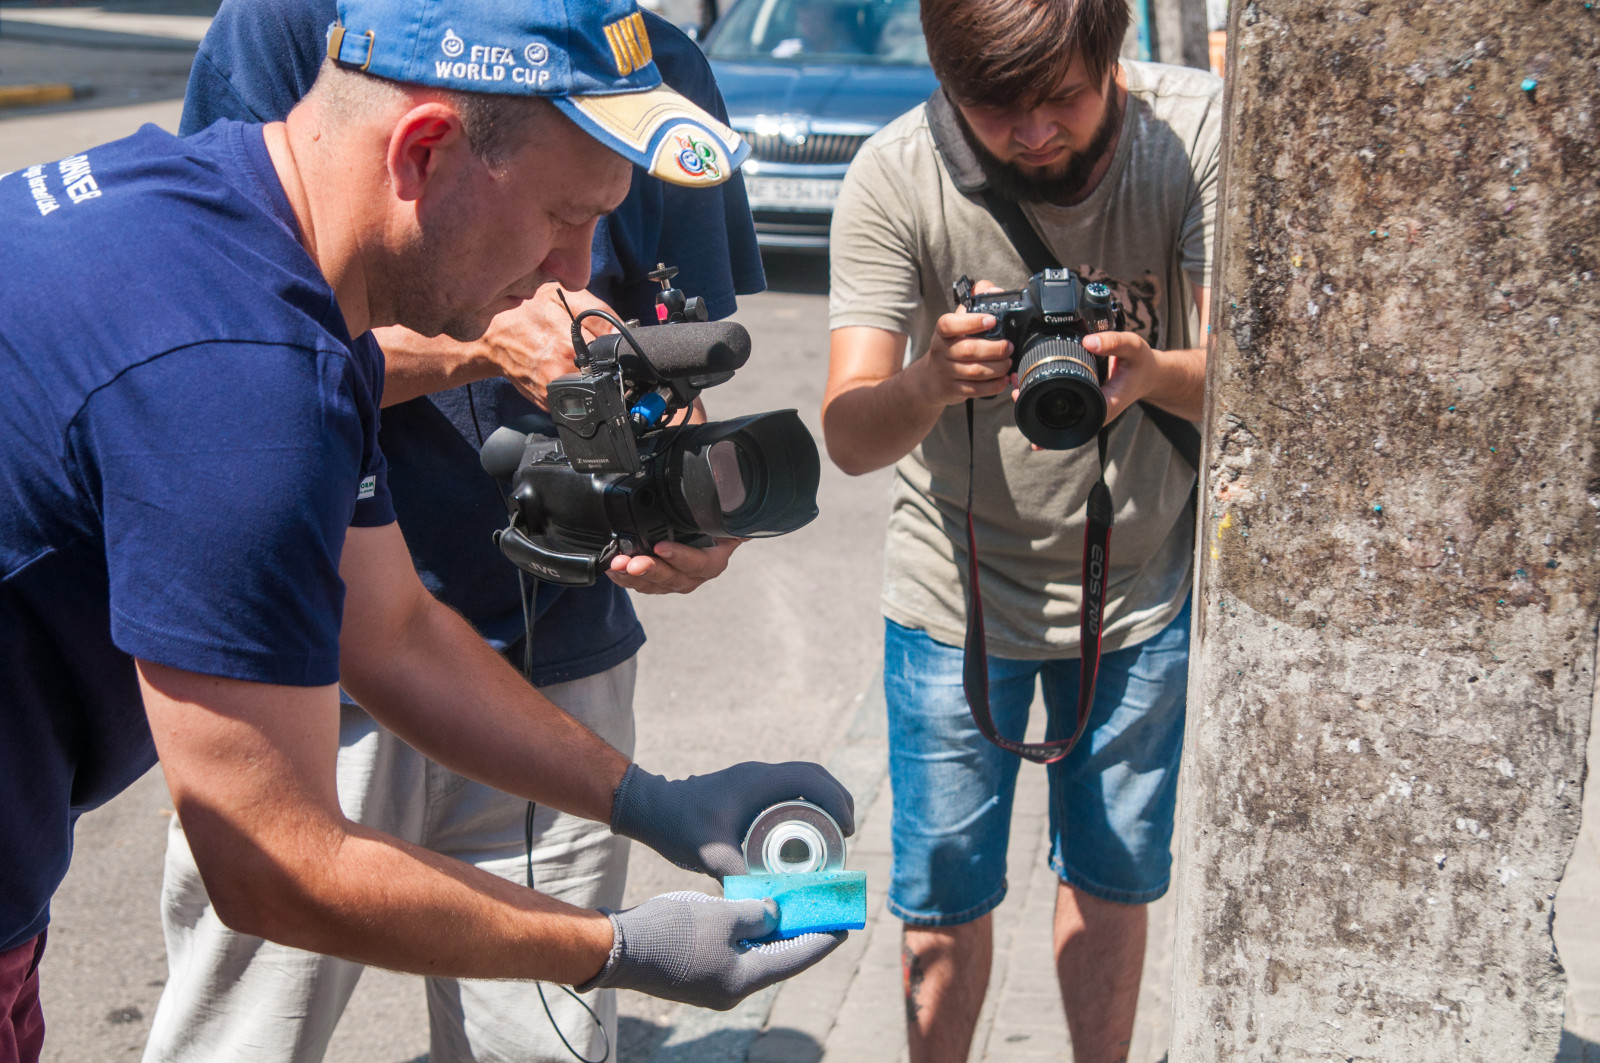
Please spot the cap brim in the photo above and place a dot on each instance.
(662, 131)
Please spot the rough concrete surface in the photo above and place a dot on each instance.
(1390, 697)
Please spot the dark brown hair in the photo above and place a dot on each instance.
(1003, 53)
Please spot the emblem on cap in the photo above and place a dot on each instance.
(697, 159)
(630, 43)
(452, 45)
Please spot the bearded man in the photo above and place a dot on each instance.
(1040, 147)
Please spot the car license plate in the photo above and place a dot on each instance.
(791, 192)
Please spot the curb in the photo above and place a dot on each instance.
(861, 763)
(41, 94)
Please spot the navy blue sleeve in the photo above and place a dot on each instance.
(226, 476)
(706, 232)
(257, 60)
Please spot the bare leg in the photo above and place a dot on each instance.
(945, 972)
(1099, 958)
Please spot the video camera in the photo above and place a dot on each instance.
(619, 478)
(1059, 403)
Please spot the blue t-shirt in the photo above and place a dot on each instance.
(189, 430)
(256, 62)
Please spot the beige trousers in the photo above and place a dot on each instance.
(245, 1000)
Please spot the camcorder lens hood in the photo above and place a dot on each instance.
(776, 464)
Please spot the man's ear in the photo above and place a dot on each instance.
(423, 141)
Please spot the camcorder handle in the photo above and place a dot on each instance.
(565, 568)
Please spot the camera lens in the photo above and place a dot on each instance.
(727, 470)
(1060, 405)
(1059, 410)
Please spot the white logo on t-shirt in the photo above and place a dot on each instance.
(369, 488)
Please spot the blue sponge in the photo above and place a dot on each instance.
(807, 903)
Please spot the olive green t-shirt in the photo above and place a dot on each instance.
(903, 230)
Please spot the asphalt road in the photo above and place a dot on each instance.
(113, 76)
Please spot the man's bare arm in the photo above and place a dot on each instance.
(530, 346)
(251, 771)
(874, 412)
(425, 674)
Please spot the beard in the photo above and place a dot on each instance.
(1060, 184)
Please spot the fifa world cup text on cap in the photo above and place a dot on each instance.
(590, 58)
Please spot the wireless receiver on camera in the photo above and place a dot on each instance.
(620, 478)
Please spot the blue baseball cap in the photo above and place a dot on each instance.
(591, 58)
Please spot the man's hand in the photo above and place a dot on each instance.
(958, 367)
(1173, 380)
(876, 410)
(699, 823)
(699, 949)
(674, 568)
(1134, 370)
(251, 772)
(532, 344)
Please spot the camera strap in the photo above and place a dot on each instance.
(1091, 616)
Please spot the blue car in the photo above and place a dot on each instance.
(807, 82)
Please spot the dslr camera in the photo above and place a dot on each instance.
(1060, 405)
(619, 478)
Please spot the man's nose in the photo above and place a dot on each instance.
(568, 260)
(1033, 132)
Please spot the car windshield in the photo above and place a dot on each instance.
(831, 31)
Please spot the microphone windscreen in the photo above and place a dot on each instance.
(692, 348)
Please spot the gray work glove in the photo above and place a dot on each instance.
(698, 949)
(699, 823)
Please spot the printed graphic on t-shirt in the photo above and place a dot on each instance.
(1139, 299)
(76, 178)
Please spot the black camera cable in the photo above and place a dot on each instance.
(526, 594)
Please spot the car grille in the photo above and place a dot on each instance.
(818, 149)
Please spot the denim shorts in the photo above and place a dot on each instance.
(1111, 799)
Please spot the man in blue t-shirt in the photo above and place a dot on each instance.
(197, 534)
(227, 995)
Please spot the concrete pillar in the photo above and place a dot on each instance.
(1397, 573)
